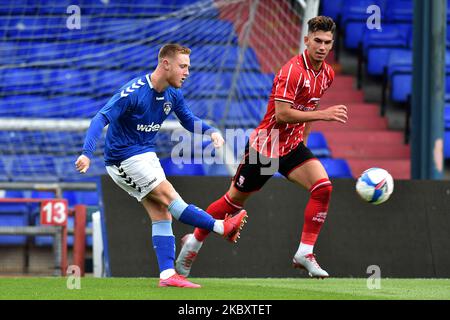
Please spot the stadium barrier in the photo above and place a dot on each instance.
(58, 232)
(405, 237)
(59, 244)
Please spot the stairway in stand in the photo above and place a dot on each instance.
(365, 140)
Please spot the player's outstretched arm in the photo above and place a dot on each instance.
(93, 134)
(285, 114)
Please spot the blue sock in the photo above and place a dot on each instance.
(191, 215)
(164, 244)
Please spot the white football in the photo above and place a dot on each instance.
(375, 185)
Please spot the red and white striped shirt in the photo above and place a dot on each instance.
(299, 84)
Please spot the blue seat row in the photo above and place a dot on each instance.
(95, 7)
(399, 70)
(123, 56)
(189, 30)
(21, 214)
(44, 168)
(55, 143)
(336, 168)
(103, 83)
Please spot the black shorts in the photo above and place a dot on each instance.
(256, 169)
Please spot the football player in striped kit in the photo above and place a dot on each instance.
(281, 139)
(135, 114)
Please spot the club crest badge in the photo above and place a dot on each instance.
(167, 107)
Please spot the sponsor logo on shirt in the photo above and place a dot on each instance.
(148, 127)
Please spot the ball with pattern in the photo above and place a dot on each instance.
(375, 185)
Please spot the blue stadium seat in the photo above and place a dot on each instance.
(207, 108)
(39, 168)
(13, 143)
(54, 107)
(399, 11)
(172, 169)
(13, 214)
(336, 168)
(447, 117)
(243, 114)
(8, 51)
(65, 168)
(377, 45)
(47, 241)
(331, 8)
(9, 219)
(88, 198)
(67, 81)
(21, 80)
(447, 144)
(134, 56)
(3, 171)
(45, 51)
(18, 7)
(220, 56)
(23, 106)
(354, 18)
(399, 68)
(318, 144)
(254, 84)
(208, 84)
(95, 55)
(74, 106)
(107, 82)
(209, 31)
(26, 27)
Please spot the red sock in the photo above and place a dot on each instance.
(218, 210)
(316, 210)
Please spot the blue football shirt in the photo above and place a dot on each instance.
(135, 115)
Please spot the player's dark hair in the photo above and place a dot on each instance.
(321, 23)
(171, 49)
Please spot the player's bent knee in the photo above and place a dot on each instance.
(236, 196)
(164, 194)
(321, 190)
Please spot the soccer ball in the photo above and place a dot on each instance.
(375, 185)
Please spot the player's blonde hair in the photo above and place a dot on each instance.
(321, 23)
(171, 49)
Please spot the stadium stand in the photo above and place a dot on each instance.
(50, 72)
(63, 66)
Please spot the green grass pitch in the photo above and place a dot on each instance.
(225, 289)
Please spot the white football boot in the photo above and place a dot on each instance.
(189, 250)
(309, 263)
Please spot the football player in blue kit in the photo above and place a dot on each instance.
(135, 114)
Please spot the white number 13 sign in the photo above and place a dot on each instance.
(54, 212)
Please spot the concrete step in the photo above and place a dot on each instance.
(367, 151)
(398, 168)
(337, 96)
(353, 123)
(368, 137)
